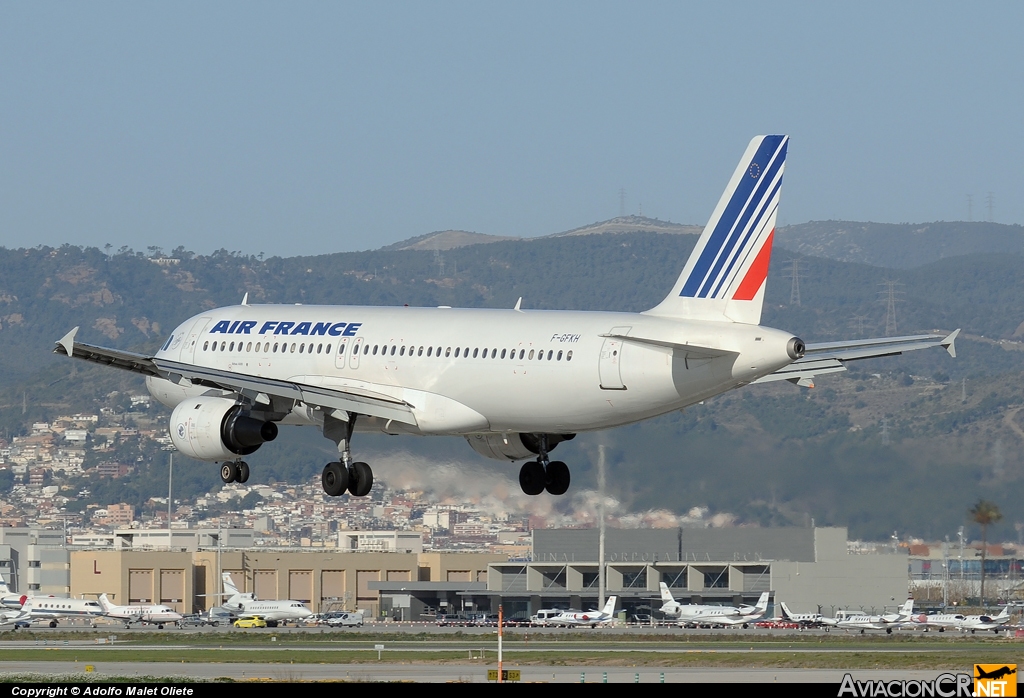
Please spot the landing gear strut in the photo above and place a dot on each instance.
(544, 474)
(237, 471)
(343, 475)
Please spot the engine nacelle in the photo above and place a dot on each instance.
(217, 429)
(514, 446)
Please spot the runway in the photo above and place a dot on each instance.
(462, 673)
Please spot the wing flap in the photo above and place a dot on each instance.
(692, 350)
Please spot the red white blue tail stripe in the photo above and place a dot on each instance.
(724, 277)
(723, 264)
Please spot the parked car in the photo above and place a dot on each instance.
(254, 622)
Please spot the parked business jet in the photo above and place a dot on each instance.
(959, 621)
(811, 620)
(744, 615)
(248, 606)
(684, 612)
(52, 609)
(515, 383)
(591, 618)
(886, 622)
(147, 614)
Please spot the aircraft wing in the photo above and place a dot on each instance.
(831, 357)
(348, 400)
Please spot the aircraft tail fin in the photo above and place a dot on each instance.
(3, 586)
(105, 603)
(609, 606)
(724, 278)
(908, 608)
(786, 613)
(666, 595)
(762, 603)
(229, 585)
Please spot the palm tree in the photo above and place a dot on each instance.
(984, 513)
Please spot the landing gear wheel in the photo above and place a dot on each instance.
(243, 473)
(532, 477)
(360, 479)
(53, 624)
(558, 477)
(334, 479)
(228, 472)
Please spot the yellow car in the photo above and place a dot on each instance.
(256, 622)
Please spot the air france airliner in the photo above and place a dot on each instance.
(513, 382)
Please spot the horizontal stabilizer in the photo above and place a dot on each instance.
(831, 357)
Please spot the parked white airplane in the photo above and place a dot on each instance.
(247, 606)
(514, 382)
(808, 619)
(53, 608)
(959, 621)
(152, 614)
(722, 615)
(685, 611)
(591, 618)
(885, 622)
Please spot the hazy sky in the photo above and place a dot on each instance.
(302, 128)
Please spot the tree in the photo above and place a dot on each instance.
(984, 513)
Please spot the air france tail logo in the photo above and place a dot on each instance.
(733, 263)
(310, 329)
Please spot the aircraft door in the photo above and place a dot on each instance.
(339, 358)
(353, 359)
(188, 348)
(610, 361)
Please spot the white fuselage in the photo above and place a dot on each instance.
(274, 610)
(54, 608)
(686, 612)
(156, 614)
(466, 371)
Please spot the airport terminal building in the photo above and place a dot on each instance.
(390, 577)
(804, 567)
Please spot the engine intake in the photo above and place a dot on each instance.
(217, 429)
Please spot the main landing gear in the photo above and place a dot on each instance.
(237, 471)
(344, 475)
(544, 474)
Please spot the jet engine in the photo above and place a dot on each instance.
(511, 447)
(217, 429)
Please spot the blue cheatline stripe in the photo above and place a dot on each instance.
(768, 147)
(759, 219)
(764, 182)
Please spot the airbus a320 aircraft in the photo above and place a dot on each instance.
(515, 383)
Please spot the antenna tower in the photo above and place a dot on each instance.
(622, 202)
(890, 306)
(885, 431)
(439, 260)
(857, 324)
(990, 202)
(794, 292)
